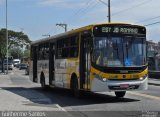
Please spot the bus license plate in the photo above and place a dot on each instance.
(124, 85)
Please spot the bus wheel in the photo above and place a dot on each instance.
(75, 89)
(43, 84)
(120, 94)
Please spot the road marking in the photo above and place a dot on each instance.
(145, 95)
(60, 108)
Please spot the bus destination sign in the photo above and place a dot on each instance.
(119, 29)
(129, 30)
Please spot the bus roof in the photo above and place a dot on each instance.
(73, 31)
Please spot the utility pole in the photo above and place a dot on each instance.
(63, 26)
(109, 11)
(7, 35)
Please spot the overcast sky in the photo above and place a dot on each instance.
(39, 17)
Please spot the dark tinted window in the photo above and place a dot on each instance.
(67, 47)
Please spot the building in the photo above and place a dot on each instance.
(153, 54)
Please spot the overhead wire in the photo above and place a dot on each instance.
(81, 10)
(84, 11)
(152, 23)
(89, 4)
(76, 13)
(103, 2)
(135, 6)
(149, 19)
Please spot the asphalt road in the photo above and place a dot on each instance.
(18, 93)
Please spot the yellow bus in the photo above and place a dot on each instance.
(96, 58)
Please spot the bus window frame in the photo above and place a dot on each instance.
(64, 46)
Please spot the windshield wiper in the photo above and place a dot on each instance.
(127, 50)
(117, 50)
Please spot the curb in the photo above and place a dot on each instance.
(154, 84)
(154, 75)
(153, 81)
(157, 78)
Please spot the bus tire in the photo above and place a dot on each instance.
(43, 84)
(74, 87)
(120, 94)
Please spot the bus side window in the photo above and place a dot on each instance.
(74, 47)
(39, 52)
(67, 47)
(46, 51)
(59, 49)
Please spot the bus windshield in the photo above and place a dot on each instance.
(119, 51)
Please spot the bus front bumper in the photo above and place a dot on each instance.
(98, 85)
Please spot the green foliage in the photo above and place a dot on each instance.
(16, 53)
(16, 40)
(3, 47)
(26, 53)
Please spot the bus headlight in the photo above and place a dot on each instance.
(142, 78)
(104, 79)
(100, 78)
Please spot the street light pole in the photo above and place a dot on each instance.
(63, 25)
(46, 35)
(7, 34)
(109, 11)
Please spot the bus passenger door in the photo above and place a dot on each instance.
(85, 62)
(51, 63)
(35, 63)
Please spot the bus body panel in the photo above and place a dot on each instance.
(94, 79)
(100, 85)
(60, 72)
(116, 76)
(102, 81)
(64, 68)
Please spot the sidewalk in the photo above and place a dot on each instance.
(3, 75)
(153, 81)
(5, 72)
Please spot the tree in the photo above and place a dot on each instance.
(26, 53)
(16, 53)
(15, 40)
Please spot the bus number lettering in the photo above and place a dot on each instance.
(106, 29)
(119, 30)
(129, 30)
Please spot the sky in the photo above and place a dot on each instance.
(38, 18)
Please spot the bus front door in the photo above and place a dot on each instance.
(84, 62)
